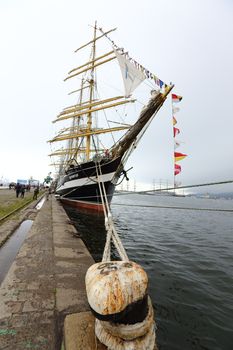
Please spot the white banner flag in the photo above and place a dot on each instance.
(132, 76)
(175, 109)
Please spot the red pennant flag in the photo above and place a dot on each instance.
(176, 98)
(176, 131)
(177, 169)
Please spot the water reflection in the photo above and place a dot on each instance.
(91, 229)
(10, 249)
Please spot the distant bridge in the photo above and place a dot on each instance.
(182, 187)
(189, 186)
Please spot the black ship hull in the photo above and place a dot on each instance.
(80, 187)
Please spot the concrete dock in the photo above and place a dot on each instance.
(45, 282)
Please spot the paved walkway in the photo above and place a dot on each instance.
(44, 284)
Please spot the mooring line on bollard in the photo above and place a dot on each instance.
(109, 225)
(117, 292)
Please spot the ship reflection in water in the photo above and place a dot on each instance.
(91, 229)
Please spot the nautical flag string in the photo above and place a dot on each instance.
(146, 72)
(177, 155)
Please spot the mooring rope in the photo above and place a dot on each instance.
(126, 322)
(109, 224)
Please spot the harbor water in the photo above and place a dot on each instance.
(185, 245)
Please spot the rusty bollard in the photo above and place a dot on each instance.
(118, 298)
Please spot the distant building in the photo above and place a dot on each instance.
(34, 183)
(31, 182)
(22, 182)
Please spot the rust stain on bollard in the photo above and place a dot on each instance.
(112, 286)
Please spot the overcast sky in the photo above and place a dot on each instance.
(188, 42)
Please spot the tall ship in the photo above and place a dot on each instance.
(98, 134)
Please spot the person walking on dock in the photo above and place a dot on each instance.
(22, 191)
(36, 191)
(17, 189)
(48, 192)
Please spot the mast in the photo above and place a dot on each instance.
(83, 134)
(80, 135)
(92, 82)
(76, 123)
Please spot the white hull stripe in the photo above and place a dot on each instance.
(85, 181)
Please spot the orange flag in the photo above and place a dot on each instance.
(179, 156)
